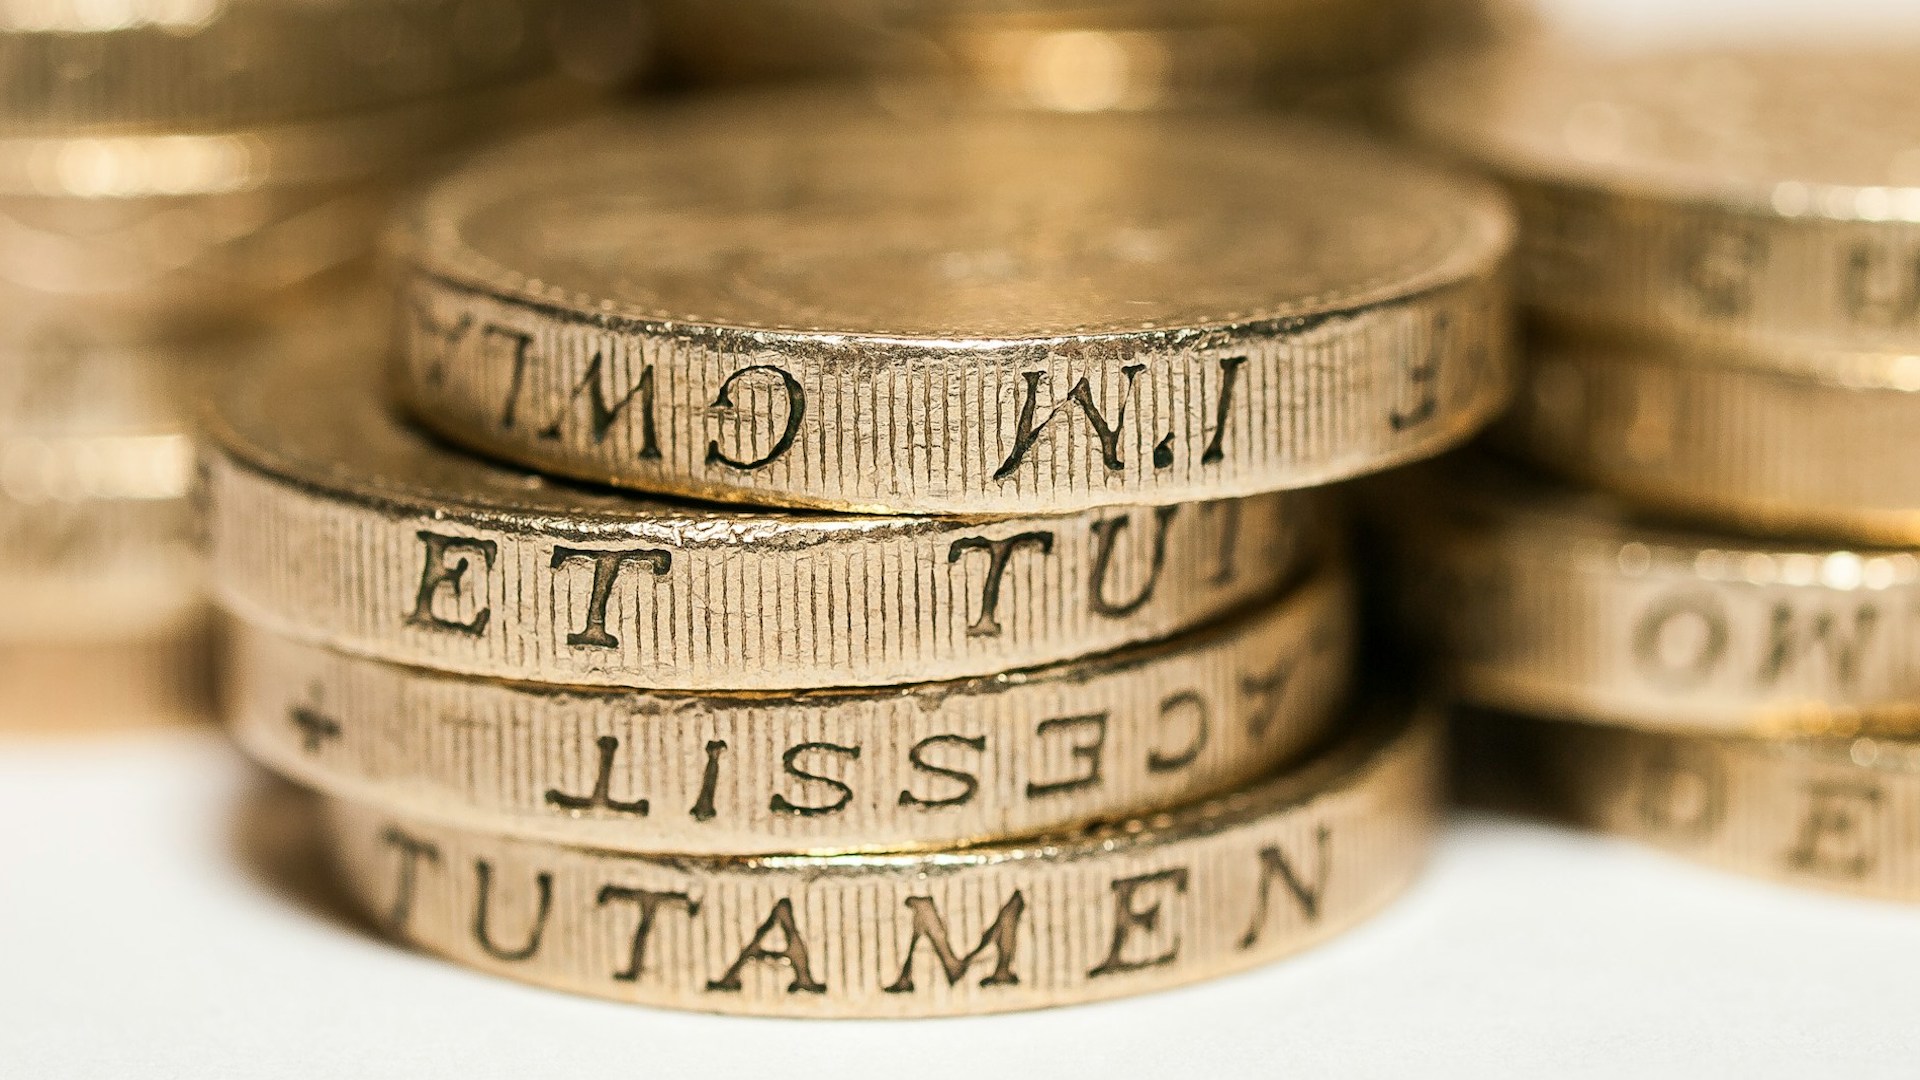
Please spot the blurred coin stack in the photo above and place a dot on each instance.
(1721, 256)
(1016, 674)
(185, 188)
(1050, 55)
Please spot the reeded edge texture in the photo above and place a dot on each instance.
(428, 559)
(1723, 277)
(1835, 814)
(1772, 267)
(1197, 893)
(1539, 599)
(917, 767)
(1726, 445)
(874, 425)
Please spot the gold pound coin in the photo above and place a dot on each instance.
(1829, 448)
(165, 234)
(74, 66)
(1749, 199)
(813, 306)
(1540, 599)
(97, 536)
(1066, 57)
(1831, 813)
(895, 768)
(1194, 893)
(332, 521)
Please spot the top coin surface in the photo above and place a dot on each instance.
(1766, 197)
(67, 66)
(827, 307)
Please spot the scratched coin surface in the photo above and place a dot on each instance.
(817, 306)
(1194, 893)
(67, 65)
(1752, 198)
(1551, 601)
(331, 520)
(1823, 448)
(880, 769)
(1829, 813)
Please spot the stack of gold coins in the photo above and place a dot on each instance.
(1004, 664)
(183, 188)
(1051, 55)
(1720, 256)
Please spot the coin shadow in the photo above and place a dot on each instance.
(277, 839)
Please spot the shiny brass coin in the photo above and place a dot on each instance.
(97, 538)
(1719, 439)
(1544, 600)
(1762, 200)
(1070, 57)
(333, 521)
(997, 314)
(896, 768)
(172, 233)
(1195, 893)
(1829, 813)
(78, 64)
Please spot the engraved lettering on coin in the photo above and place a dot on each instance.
(1716, 267)
(1138, 904)
(792, 760)
(1840, 831)
(999, 554)
(1880, 288)
(1086, 740)
(648, 905)
(796, 412)
(1681, 638)
(1027, 431)
(1421, 374)
(1678, 795)
(412, 852)
(447, 561)
(601, 797)
(1106, 531)
(607, 566)
(792, 952)
(1002, 938)
(1792, 636)
(604, 410)
(968, 784)
(483, 928)
(1192, 704)
(1305, 894)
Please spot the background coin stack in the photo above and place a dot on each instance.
(1055, 55)
(1066, 716)
(185, 188)
(1720, 255)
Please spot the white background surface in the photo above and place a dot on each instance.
(143, 934)
(139, 938)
